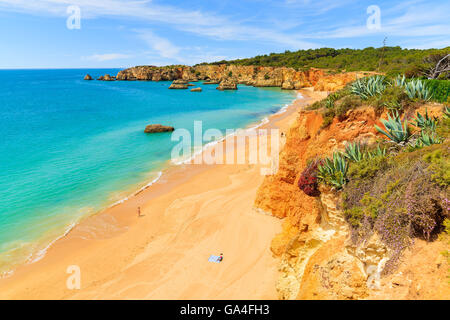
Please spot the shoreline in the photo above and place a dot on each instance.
(119, 223)
(133, 191)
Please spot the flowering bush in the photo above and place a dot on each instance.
(399, 198)
(308, 180)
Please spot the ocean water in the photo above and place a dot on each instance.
(70, 147)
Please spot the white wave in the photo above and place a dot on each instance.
(41, 253)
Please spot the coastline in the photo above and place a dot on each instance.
(119, 219)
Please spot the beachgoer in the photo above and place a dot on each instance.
(139, 211)
(221, 257)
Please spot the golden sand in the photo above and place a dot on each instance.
(193, 211)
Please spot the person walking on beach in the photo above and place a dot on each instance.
(139, 211)
(221, 257)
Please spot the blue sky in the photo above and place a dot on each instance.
(122, 33)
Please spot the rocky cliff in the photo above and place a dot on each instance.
(317, 258)
(286, 78)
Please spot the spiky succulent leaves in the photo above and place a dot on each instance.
(329, 103)
(353, 152)
(425, 122)
(378, 152)
(369, 87)
(400, 81)
(333, 171)
(396, 129)
(417, 88)
(428, 139)
(447, 112)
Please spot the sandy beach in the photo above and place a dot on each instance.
(192, 212)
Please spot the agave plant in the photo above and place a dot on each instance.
(369, 87)
(396, 129)
(393, 105)
(417, 88)
(425, 122)
(378, 152)
(399, 81)
(333, 171)
(353, 152)
(329, 103)
(427, 139)
(447, 112)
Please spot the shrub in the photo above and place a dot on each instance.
(440, 89)
(345, 104)
(394, 98)
(398, 197)
(367, 168)
(328, 116)
(439, 168)
(308, 180)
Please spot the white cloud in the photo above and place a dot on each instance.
(416, 21)
(107, 57)
(162, 46)
(197, 22)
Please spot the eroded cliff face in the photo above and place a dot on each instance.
(317, 258)
(286, 78)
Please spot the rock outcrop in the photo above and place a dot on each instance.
(151, 73)
(179, 84)
(196, 89)
(211, 82)
(286, 78)
(88, 77)
(227, 84)
(106, 77)
(312, 244)
(157, 128)
(317, 259)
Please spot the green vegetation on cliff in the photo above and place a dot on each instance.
(398, 188)
(391, 60)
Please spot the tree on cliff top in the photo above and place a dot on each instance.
(395, 59)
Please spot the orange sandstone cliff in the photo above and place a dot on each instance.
(258, 76)
(317, 260)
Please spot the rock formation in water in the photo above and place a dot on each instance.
(227, 84)
(106, 77)
(179, 84)
(196, 89)
(156, 128)
(88, 77)
(211, 82)
(286, 78)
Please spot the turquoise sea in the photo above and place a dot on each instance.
(70, 147)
